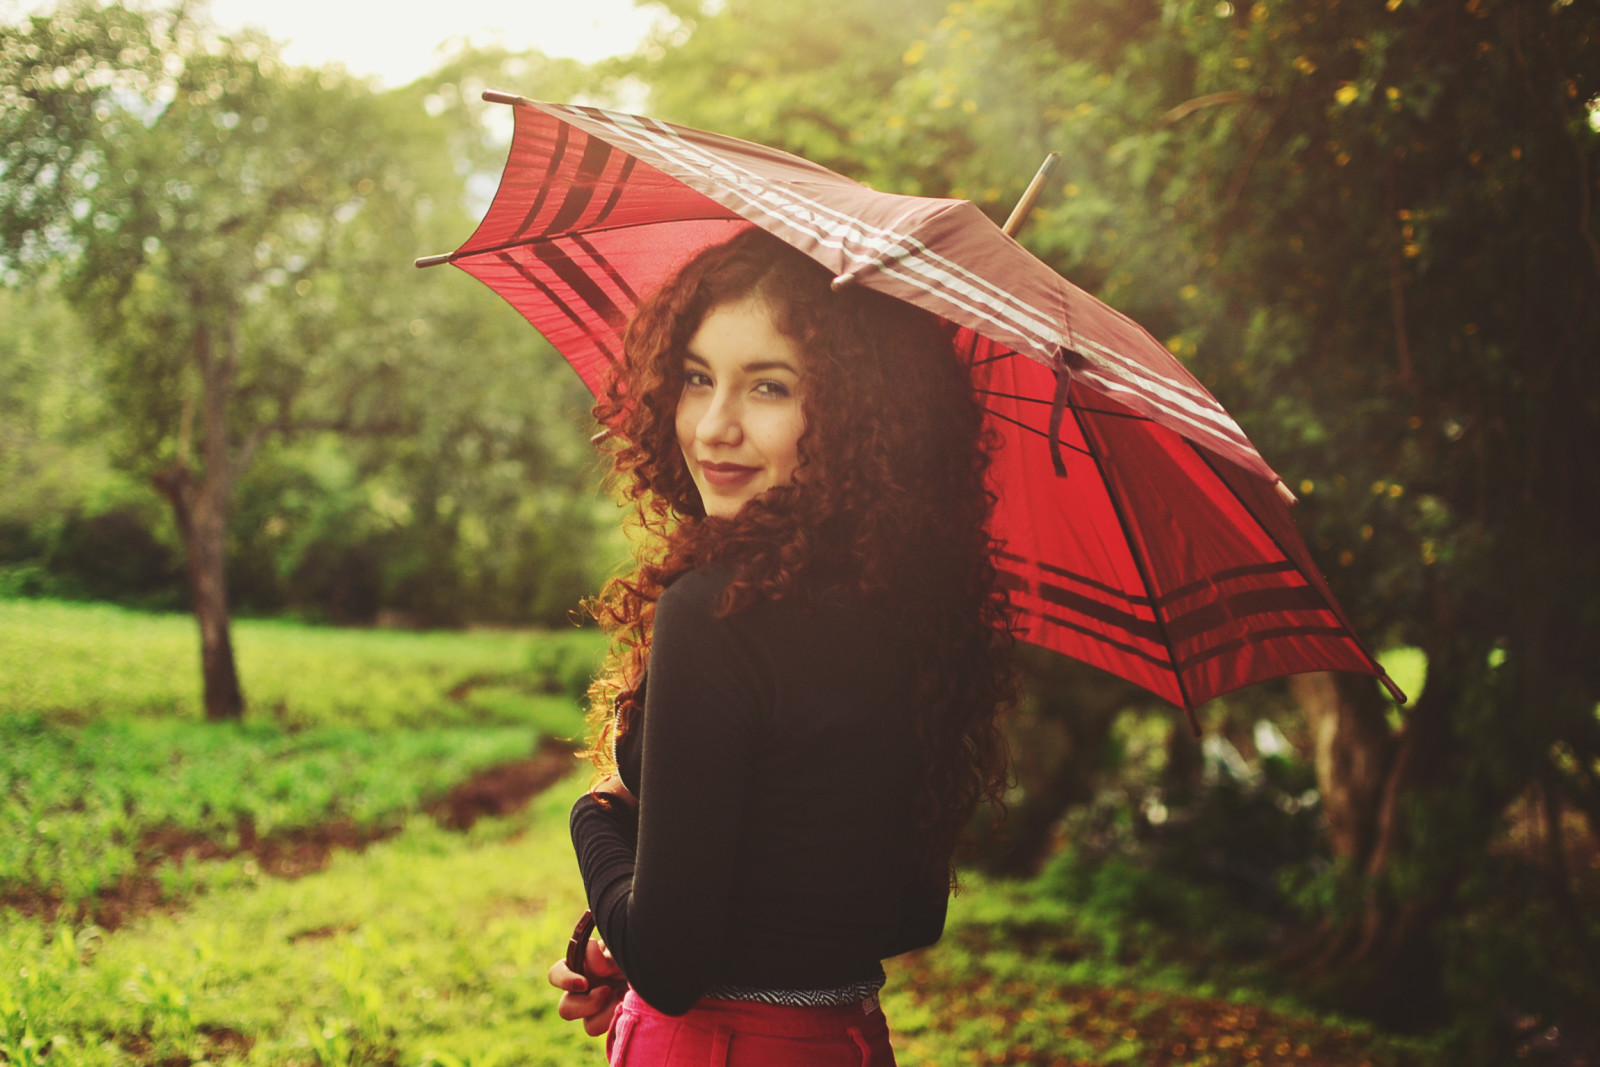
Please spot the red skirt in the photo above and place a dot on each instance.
(735, 1033)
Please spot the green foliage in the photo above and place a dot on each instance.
(235, 237)
(1368, 229)
(807, 78)
(70, 524)
(54, 68)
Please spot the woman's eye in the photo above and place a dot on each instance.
(772, 389)
(696, 378)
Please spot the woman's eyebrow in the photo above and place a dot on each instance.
(771, 364)
(758, 367)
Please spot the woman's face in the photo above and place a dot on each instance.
(739, 415)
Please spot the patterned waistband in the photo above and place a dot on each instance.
(864, 992)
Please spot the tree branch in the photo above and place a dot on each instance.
(1397, 285)
(1189, 107)
(1236, 186)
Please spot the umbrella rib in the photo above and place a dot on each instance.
(526, 240)
(1135, 416)
(990, 359)
(1144, 576)
(1013, 396)
(1035, 429)
(1333, 608)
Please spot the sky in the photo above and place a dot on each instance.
(397, 40)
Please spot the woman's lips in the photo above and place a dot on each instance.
(727, 475)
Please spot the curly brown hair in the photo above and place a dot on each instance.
(890, 495)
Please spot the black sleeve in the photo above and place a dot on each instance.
(662, 911)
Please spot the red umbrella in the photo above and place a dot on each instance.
(1143, 533)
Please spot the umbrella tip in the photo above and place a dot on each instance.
(1388, 683)
(847, 278)
(1285, 494)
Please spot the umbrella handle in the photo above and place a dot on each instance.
(1024, 208)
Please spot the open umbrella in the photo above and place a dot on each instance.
(1143, 533)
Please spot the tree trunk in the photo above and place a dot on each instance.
(1353, 751)
(1431, 817)
(202, 523)
(201, 510)
(209, 577)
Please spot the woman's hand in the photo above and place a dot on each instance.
(594, 1000)
(611, 786)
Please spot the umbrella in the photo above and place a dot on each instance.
(1142, 531)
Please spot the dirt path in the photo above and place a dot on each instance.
(491, 792)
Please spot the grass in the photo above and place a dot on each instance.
(1026, 976)
(429, 947)
(92, 661)
(429, 950)
(106, 767)
(80, 806)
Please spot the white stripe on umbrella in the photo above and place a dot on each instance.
(1120, 390)
(793, 211)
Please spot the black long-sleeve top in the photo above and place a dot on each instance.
(774, 845)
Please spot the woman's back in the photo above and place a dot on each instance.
(777, 770)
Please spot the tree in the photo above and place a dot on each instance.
(227, 226)
(1370, 229)
(414, 448)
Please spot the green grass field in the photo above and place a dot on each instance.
(428, 947)
(79, 662)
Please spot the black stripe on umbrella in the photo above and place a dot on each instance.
(593, 164)
(612, 274)
(552, 255)
(560, 304)
(616, 191)
(548, 184)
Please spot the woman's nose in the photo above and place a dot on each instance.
(719, 424)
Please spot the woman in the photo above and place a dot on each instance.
(806, 666)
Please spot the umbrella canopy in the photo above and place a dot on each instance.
(1143, 533)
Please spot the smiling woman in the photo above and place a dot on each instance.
(740, 417)
(798, 715)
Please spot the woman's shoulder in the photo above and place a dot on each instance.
(697, 602)
(696, 591)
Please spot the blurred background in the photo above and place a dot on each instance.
(227, 395)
